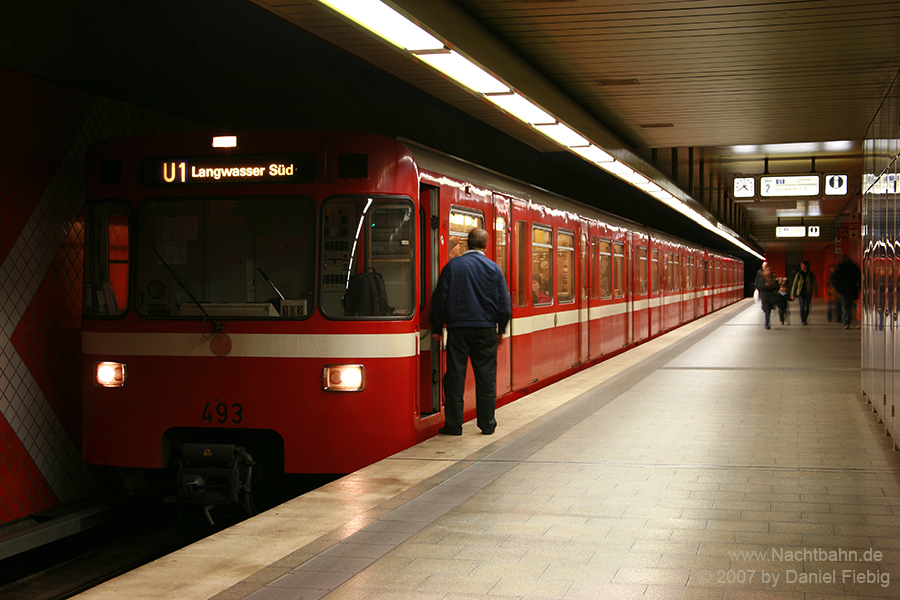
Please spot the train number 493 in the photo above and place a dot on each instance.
(221, 412)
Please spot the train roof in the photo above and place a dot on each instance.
(440, 162)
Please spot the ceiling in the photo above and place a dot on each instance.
(713, 87)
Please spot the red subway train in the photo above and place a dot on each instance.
(261, 301)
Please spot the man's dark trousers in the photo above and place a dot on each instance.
(480, 345)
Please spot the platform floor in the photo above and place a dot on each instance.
(720, 461)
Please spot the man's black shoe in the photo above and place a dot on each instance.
(487, 431)
(448, 431)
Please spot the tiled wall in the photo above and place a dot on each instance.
(45, 130)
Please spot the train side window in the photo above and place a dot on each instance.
(541, 264)
(619, 256)
(654, 272)
(642, 269)
(605, 254)
(500, 244)
(462, 221)
(565, 266)
(108, 259)
(368, 258)
(522, 288)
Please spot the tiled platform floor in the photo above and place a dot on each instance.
(725, 462)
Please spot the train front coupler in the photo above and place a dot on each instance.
(215, 475)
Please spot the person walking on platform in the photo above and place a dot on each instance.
(471, 299)
(804, 288)
(767, 286)
(834, 299)
(846, 280)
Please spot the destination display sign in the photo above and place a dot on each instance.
(784, 186)
(264, 168)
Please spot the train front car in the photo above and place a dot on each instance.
(250, 302)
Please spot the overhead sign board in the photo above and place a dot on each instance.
(790, 231)
(836, 184)
(783, 186)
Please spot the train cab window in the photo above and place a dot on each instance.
(565, 266)
(368, 258)
(521, 275)
(228, 257)
(642, 270)
(500, 244)
(541, 265)
(108, 259)
(654, 272)
(619, 271)
(461, 223)
(605, 268)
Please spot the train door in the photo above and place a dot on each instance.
(430, 351)
(520, 270)
(583, 295)
(500, 238)
(654, 304)
(630, 276)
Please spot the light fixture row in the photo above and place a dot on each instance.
(393, 27)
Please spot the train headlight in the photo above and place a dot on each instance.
(344, 378)
(109, 374)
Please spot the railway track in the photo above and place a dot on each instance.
(79, 547)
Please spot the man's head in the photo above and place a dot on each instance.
(478, 239)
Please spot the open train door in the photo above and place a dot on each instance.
(500, 239)
(429, 351)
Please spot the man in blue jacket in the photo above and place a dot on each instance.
(471, 299)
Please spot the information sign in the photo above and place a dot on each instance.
(788, 185)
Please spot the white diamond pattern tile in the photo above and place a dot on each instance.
(27, 410)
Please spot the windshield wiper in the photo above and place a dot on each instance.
(266, 277)
(216, 326)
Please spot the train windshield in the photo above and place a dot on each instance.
(225, 257)
(368, 256)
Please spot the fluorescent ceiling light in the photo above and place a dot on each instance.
(746, 149)
(464, 71)
(224, 141)
(617, 168)
(838, 146)
(795, 148)
(592, 154)
(663, 195)
(520, 108)
(386, 23)
(562, 134)
(649, 187)
(635, 178)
